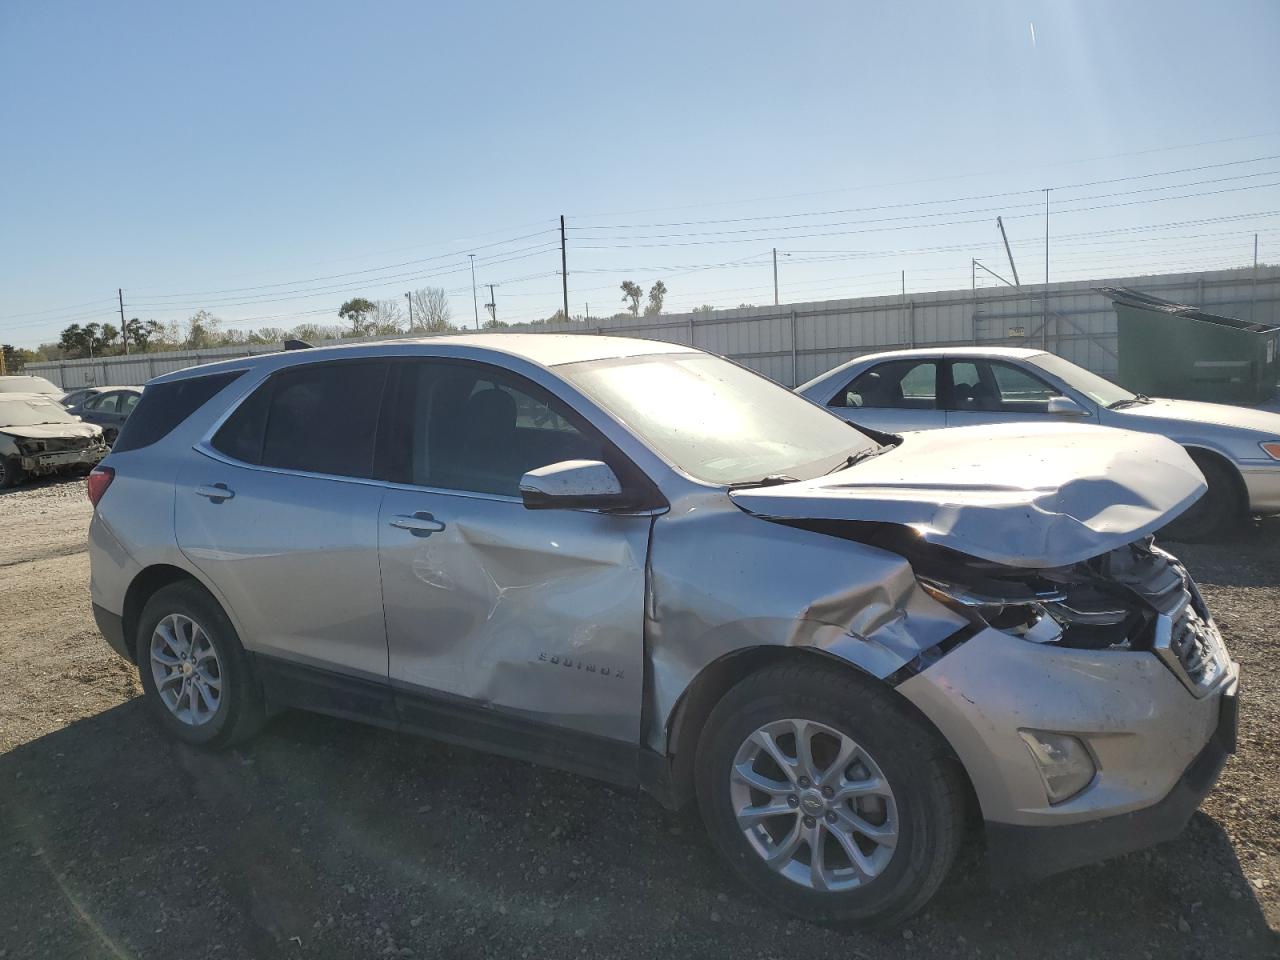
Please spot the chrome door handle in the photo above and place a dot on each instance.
(217, 492)
(421, 524)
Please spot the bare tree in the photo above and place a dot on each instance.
(387, 316)
(431, 311)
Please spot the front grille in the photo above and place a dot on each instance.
(61, 444)
(1189, 644)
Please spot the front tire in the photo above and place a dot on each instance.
(829, 796)
(11, 472)
(1214, 515)
(196, 677)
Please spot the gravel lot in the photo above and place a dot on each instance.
(325, 839)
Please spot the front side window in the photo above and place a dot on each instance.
(715, 420)
(1020, 392)
(898, 385)
(475, 428)
(103, 403)
(319, 418)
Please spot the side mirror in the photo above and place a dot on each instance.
(1066, 407)
(573, 485)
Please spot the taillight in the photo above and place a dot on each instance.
(99, 479)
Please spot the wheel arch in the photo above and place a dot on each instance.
(1197, 452)
(142, 588)
(692, 710)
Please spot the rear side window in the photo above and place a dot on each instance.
(321, 418)
(165, 405)
(900, 384)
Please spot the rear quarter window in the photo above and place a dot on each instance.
(165, 405)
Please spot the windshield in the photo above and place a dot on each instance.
(716, 421)
(1100, 391)
(30, 411)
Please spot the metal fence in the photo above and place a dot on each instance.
(795, 342)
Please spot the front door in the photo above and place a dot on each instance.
(280, 514)
(535, 613)
(994, 391)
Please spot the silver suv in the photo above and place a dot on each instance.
(640, 562)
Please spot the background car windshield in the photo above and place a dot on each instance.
(1100, 391)
(28, 413)
(715, 420)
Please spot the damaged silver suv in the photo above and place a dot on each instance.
(640, 562)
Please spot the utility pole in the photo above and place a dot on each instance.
(410, 299)
(492, 305)
(564, 269)
(1044, 308)
(1253, 296)
(587, 315)
(1008, 252)
(475, 303)
(973, 276)
(124, 329)
(775, 276)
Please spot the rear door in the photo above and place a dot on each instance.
(280, 511)
(537, 613)
(893, 396)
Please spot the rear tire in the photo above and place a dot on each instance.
(1217, 513)
(197, 679)
(885, 849)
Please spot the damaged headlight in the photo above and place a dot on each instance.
(1027, 617)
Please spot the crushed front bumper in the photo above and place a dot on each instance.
(40, 463)
(1017, 853)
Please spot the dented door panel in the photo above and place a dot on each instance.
(540, 613)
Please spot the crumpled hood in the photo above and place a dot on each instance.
(1215, 414)
(51, 431)
(1019, 494)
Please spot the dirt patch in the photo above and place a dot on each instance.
(327, 839)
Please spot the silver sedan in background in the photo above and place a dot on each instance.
(1236, 448)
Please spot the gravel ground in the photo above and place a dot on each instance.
(326, 839)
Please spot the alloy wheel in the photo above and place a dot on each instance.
(186, 669)
(814, 805)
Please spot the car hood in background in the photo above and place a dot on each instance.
(53, 431)
(1017, 494)
(1192, 411)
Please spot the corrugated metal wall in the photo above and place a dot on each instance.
(798, 341)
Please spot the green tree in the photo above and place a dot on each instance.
(657, 293)
(705, 308)
(356, 312)
(203, 330)
(631, 291)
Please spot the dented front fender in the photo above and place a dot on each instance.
(722, 581)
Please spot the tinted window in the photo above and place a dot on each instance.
(902, 385)
(103, 403)
(1020, 392)
(127, 402)
(165, 405)
(972, 387)
(321, 418)
(470, 427)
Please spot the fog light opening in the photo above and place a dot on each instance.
(1064, 762)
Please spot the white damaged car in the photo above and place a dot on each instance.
(643, 563)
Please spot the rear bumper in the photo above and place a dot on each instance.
(111, 626)
(1018, 853)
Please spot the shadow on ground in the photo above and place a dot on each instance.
(330, 839)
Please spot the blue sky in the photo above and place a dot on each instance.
(189, 152)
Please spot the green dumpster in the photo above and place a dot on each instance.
(1170, 349)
